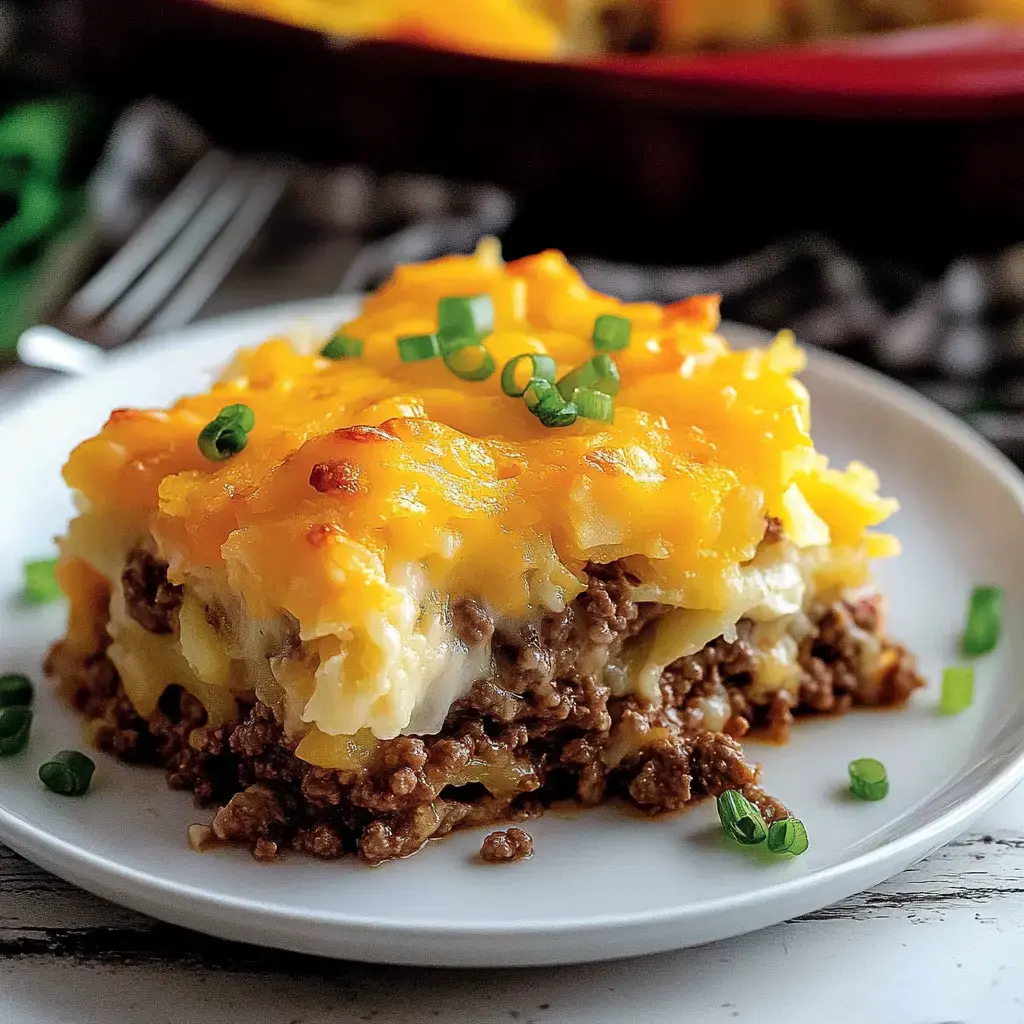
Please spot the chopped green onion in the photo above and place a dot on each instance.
(470, 362)
(787, 836)
(242, 415)
(607, 374)
(957, 689)
(611, 333)
(541, 368)
(415, 347)
(454, 343)
(228, 434)
(554, 412)
(68, 773)
(741, 819)
(545, 401)
(341, 346)
(15, 690)
(868, 780)
(594, 405)
(41, 585)
(597, 374)
(536, 391)
(984, 620)
(15, 724)
(467, 316)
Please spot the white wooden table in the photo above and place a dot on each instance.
(941, 943)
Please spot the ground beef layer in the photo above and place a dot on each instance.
(541, 729)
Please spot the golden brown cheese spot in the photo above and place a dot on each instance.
(338, 476)
(604, 462)
(119, 416)
(699, 310)
(364, 435)
(322, 533)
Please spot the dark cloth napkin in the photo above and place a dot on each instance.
(958, 337)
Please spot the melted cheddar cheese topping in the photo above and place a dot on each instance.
(372, 492)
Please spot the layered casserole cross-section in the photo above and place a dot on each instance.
(413, 599)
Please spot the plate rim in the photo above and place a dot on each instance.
(37, 843)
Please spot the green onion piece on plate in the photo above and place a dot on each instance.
(470, 362)
(414, 348)
(984, 620)
(787, 836)
(228, 433)
(741, 819)
(611, 333)
(868, 780)
(465, 316)
(597, 374)
(957, 689)
(68, 773)
(594, 405)
(15, 724)
(341, 346)
(41, 585)
(15, 690)
(541, 368)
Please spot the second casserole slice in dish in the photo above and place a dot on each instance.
(499, 541)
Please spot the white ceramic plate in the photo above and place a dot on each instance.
(602, 883)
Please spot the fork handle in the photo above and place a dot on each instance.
(47, 348)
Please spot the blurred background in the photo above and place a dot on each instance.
(853, 169)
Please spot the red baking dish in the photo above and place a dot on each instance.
(967, 69)
(947, 71)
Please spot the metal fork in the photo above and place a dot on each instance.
(165, 272)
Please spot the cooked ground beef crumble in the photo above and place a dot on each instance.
(505, 847)
(150, 599)
(543, 721)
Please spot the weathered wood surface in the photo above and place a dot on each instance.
(942, 942)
